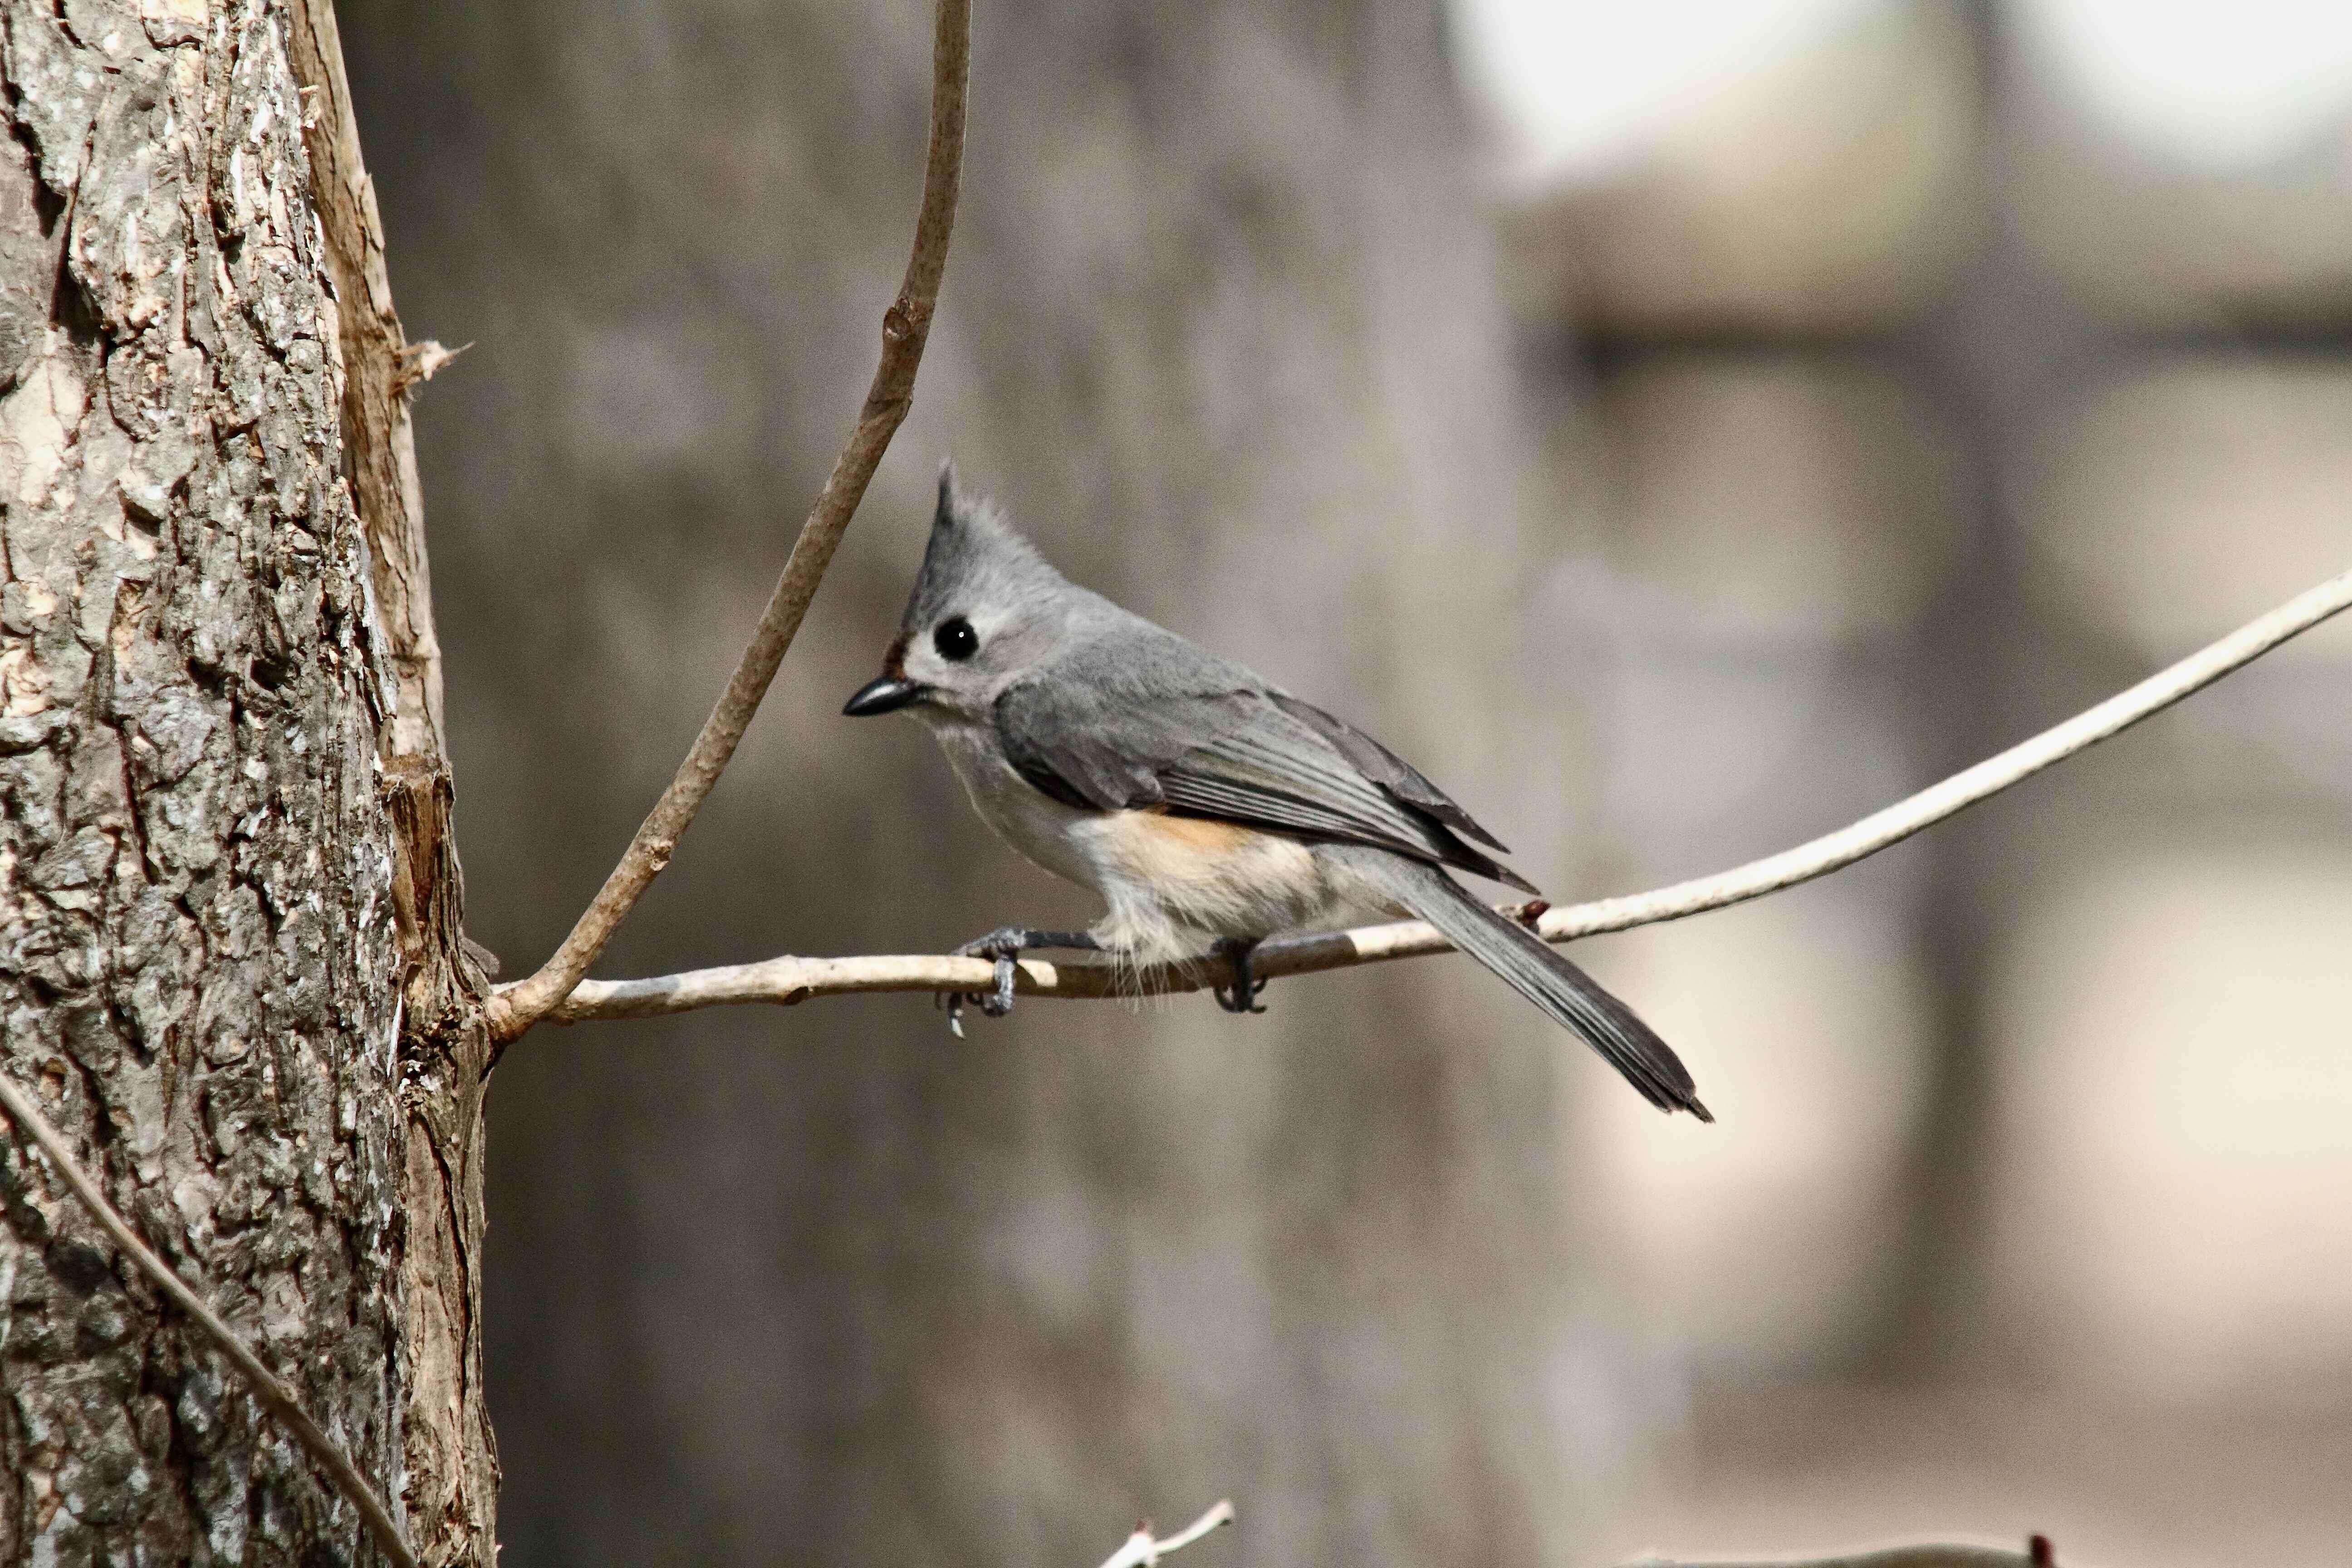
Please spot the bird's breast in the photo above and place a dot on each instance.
(1042, 828)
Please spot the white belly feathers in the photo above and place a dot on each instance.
(1023, 815)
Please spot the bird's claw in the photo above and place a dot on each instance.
(1226, 999)
(1242, 996)
(1005, 946)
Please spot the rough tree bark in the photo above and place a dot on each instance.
(229, 953)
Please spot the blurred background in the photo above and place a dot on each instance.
(1682, 427)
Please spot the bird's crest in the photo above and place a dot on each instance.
(974, 560)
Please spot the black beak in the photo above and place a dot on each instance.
(883, 694)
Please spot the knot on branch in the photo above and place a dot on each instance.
(421, 361)
(906, 318)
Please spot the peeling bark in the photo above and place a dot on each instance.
(446, 1050)
(229, 959)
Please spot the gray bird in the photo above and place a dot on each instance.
(1207, 807)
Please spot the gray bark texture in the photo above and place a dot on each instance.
(227, 900)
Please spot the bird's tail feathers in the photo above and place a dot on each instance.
(1536, 972)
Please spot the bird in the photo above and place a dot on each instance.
(1208, 808)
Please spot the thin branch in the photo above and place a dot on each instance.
(1141, 1551)
(2036, 1555)
(273, 1393)
(790, 980)
(905, 327)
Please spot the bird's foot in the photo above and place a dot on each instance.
(1243, 995)
(1005, 944)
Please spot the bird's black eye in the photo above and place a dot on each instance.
(956, 640)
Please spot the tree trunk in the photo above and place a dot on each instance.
(228, 911)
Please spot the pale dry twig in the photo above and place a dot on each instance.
(1141, 1551)
(2037, 1555)
(791, 980)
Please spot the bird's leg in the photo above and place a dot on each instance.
(1004, 944)
(1242, 998)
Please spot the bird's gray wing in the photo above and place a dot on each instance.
(1385, 768)
(1200, 743)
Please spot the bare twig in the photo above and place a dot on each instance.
(793, 980)
(905, 327)
(2036, 1555)
(273, 1393)
(1141, 1551)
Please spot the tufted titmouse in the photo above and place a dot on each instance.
(1208, 808)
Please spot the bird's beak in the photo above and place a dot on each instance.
(883, 694)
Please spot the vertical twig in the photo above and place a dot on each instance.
(905, 327)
